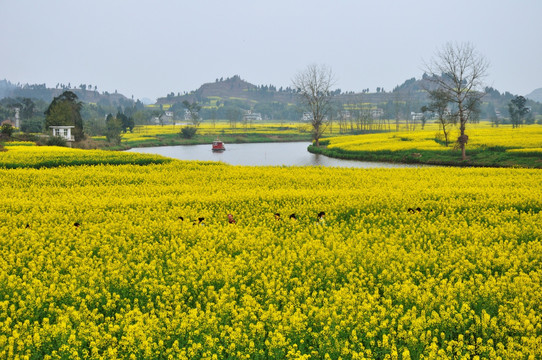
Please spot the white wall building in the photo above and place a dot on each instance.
(63, 131)
(250, 116)
(416, 116)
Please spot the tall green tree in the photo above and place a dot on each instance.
(517, 110)
(113, 129)
(126, 121)
(27, 108)
(65, 109)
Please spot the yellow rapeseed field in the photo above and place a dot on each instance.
(459, 279)
(151, 131)
(528, 138)
(25, 155)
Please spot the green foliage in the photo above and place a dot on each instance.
(7, 130)
(517, 110)
(438, 105)
(66, 110)
(127, 123)
(188, 132)
(113, 129)
(32, 125)
(56, 141)
(193, 109)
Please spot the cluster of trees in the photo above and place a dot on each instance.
(518, 111)
(66, 110)
(456, 75)
(454, 85)
(31, 113)
(36, 116)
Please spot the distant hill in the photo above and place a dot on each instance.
(535, 95)
(239, 90)
(42, 92)
(147, 101)
(232, 88)
(6, 88)
(272, 103)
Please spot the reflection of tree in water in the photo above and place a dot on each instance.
(318, 159)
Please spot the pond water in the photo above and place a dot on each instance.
(260, 154)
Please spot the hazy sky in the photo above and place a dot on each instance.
(152, 48)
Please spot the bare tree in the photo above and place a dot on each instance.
(193, 110)
(458, 71)
(439, 106)
(313, 86)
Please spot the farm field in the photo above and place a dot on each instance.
(26, 154)
(500, 146)
(460, 278)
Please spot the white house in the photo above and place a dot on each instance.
(377, 113)
(188, 115)
(416, 116)
(63, 131)
(250, 116)
(307, 116)
(345, 115)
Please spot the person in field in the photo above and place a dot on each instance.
(321, 218)
(292, 217)
(277, 217)
(231, 220)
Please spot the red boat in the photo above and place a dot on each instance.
(218, 145)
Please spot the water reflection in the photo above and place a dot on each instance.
(262, 154)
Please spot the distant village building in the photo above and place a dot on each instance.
(377, 113)
(187, 115)
(250, 116)
(63, 131)
(307, 116)
(165, 118)
(345, 115)
(416, 116)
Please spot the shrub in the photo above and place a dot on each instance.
(56, 141)
(188, 132)
(7, 130)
